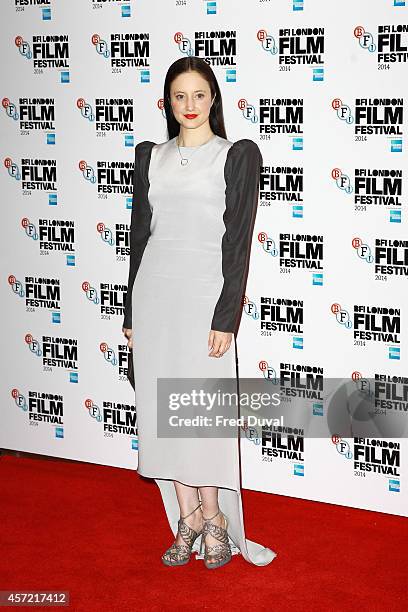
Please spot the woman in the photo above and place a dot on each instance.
(194, 204)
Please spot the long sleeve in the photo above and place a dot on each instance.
(140, 220)
(242, 172)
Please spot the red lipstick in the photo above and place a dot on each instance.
(190, 116)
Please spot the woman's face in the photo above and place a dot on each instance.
(190, 98)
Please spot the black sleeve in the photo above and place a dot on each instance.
(140, 220)
(241, 171)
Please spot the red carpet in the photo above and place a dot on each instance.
(98, 532)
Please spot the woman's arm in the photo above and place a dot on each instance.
(140, 221)
(241, 171)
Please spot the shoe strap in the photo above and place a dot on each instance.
(184, 517)
(211, 517)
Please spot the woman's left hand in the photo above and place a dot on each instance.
(218, 343)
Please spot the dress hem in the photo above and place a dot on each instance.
(188, 484)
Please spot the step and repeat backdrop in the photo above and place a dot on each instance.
(322, 88)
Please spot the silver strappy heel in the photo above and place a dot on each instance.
(219, 554)
(179, 554)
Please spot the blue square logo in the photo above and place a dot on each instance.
(126, 10)
(394, 485)
(395, 216)
(318, 74)
(73, 377)
(297, 342)
(56, 317)
(396, 145)
(230, 75)
(317, 409)
(394, 352)
(298, 469)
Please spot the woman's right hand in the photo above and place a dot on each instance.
(129, 335)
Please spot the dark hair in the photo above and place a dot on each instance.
(185, 64)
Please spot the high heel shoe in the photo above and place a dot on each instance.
(220, 553)
(179, 554)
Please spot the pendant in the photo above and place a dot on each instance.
(184, 161)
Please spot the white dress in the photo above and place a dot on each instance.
(191, 230)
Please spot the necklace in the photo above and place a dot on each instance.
(184, 161)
